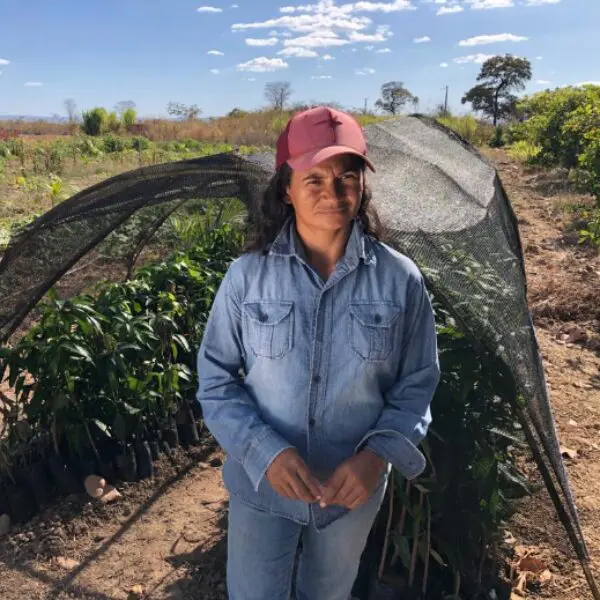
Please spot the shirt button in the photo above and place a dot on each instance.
(312, 422)
(377, 318)
(317, 379)
(262, 318)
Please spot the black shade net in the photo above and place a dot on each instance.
(441, 204)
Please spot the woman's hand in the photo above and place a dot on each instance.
(290, 477)
(353, 482)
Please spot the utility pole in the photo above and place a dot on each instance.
(446, 102)
(366, 106)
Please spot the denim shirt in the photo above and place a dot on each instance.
(289, 360)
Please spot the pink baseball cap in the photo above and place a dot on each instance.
(317, 134)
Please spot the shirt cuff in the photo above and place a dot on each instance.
(397, 449)
(262, 452)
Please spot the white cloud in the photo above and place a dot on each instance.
(325, 24)
(383, 51)
(444, 65)
(260, 42)
(327, 57)
(323, 5)
(251, 79)
(215, 71)
(539, 58)
(215, 53)
(370, 48)
(273, 33)
(482, 40)
(488, 4)
(33, 84)
(321, 77)
(298, 52)
(473, 58)
(587, 83)
(235, 6)
(262, 64)
(541, 2)
(543, 82)
(449, 10)
(366, 71)
(422, 40)
(316, 41)
(4, 62)
(356, 36)
(209, 9)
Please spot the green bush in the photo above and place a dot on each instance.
(140, 143)
(524, 151)
(129, 117)
(498, 140)
(468, 128)
(5, 150)
(113, 143)
(565, 125)
(95, 121)
(112, 122)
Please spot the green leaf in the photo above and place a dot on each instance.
(102, 427)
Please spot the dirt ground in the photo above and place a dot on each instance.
(167, 535)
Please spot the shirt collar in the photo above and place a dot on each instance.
(359, 247)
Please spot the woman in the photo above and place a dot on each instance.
(317, 369)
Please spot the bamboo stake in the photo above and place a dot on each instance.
(415, 550)
(428, 548)
(387, 529)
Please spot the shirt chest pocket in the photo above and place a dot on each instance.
(374, 329)
(268, 327)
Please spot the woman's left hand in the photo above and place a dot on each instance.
(353, 482)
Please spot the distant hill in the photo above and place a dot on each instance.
(53, 119)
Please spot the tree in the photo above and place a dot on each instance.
(500, 76)
(124, 105)
(71, 108)
(128, 117)
(393, 97)
(183, 111)
(278, 93)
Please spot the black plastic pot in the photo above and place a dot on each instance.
(107, 469)
(188, 434)
(36, 479)
(85, 465)
(155, 449)
(171, 435)
(21, 503)
(64, 479)
(143, 455)
(127, 464)
(196, 409)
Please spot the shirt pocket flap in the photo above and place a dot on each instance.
(268, 313)
(375, 314)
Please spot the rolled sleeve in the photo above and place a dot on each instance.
(230, 412)
(406, 416)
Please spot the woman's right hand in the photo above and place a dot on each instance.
(290, 477)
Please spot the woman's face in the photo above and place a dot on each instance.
(328, 196)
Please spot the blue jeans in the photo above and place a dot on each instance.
(262, 550)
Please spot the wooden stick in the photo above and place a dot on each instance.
(388, 527)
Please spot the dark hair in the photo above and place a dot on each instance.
(272, 212)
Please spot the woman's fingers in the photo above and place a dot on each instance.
(310, 482)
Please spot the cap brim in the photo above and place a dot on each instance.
(312, 159)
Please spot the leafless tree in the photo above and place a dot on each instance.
(122, 106)
(71, 108)
(278, 93)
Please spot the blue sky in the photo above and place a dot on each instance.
(220, 54)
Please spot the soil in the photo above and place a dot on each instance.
(165, 538)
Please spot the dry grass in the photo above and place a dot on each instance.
(259, 128)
